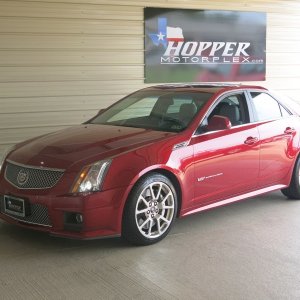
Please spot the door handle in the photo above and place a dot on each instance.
(289, 130)
(251, 140)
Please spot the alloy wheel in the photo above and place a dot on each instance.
(154, 210)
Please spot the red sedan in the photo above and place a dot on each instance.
(162, 152)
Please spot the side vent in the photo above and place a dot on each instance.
(180, 145)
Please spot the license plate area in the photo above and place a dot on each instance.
(14, 206)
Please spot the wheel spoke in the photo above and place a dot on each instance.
(152, 192)
(144, 223)
(159, 191)
(168, 207)
(165, 220)
(142, 211)
(144, 200)
(158, 226)
(166, 197)
(150, 227)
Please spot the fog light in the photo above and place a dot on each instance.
(73, 221)
(79, 218)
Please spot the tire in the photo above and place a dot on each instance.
(293, 191)
(150, 210)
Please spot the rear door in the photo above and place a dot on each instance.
(276, 127)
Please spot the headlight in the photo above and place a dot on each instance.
(4, 155)
(91, 177)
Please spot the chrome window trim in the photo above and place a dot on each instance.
(209, 132)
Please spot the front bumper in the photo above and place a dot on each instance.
(84, 216)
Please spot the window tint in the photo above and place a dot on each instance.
(266, 107)
(141, 108)
(155, 109)
(234, 107)
(177, 102)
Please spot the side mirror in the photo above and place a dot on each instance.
(218, 123)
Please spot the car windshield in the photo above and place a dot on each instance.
(153, 109)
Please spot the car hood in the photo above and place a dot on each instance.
(82, 145)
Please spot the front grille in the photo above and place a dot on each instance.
(38, 214)
(28, 177)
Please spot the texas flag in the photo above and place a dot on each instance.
(174, 34)
(166, 34)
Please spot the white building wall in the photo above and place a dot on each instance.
(63, 60)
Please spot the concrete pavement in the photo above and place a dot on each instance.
(247, 250)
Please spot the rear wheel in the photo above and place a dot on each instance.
(293, 191)
(150, 210)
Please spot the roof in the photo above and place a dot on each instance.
(204, 87)
(197, 85)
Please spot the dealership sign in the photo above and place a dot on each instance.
(190, 45)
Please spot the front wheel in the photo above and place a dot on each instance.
(293, 191)
(150, 210)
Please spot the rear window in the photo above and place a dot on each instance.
(266, 107)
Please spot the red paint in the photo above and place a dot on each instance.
(212, 168)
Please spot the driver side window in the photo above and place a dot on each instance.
(234, 107)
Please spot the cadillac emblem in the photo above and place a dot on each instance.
(22, 177)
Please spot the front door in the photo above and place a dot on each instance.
(226, 161)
